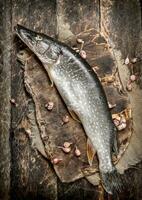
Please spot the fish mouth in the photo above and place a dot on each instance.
(26, 35)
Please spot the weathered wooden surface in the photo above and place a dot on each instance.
(31, 174)
(5, 92)
(73, 17)
(113, 28)
(118, 20)
(32, 177)
(117, 24)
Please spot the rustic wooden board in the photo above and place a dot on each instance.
(53, 133)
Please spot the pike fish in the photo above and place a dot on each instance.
(84, 97)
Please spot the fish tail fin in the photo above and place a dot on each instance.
(112, 181)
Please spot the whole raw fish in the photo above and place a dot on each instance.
(83, 94)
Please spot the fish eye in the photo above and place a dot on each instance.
(30, 38)
(38, 37)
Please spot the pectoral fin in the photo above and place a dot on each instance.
(47, 68)
(90, 152)
(73, 115)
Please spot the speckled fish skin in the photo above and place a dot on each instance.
(82, 92)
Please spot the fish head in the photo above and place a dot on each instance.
(43, 46)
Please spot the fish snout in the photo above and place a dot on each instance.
(20, 29)
(25, 34)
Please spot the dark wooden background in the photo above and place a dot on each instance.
(58, 18)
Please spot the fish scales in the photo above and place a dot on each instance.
(82, 92)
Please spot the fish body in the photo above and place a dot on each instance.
(82, 93)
